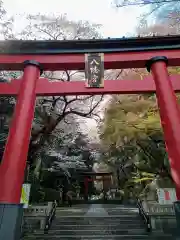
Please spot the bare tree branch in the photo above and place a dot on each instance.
(120, 72)
(125, 3)
(44, 31)
(68, 76)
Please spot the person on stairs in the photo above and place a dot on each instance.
(69, 196)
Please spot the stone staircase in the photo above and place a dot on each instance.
(96, 222)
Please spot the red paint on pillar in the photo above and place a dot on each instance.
(170, 118)
(167, 195)
(14, 159)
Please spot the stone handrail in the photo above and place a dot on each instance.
(144, 215)
(50, 217)
(38, 210)
(38, 213)
(162, 216)
(154, 208)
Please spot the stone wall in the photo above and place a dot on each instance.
(162, 216)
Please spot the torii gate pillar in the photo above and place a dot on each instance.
(169, 114)
(15, 155)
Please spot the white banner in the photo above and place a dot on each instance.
(25, 194)
(166, 195)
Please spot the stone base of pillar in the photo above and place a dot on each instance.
(11, 216)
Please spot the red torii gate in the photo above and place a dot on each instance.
(36, 56)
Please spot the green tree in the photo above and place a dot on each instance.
(133, 140)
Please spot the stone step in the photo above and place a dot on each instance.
(105, 223)
(128, 222)
(117, 212)
(118, 224)
(127, 217)
(94, 215)
(108, 218)
(128, 211)
(98, 225)
(101, 237)
(99, 231)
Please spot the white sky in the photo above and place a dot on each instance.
(116, 23)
